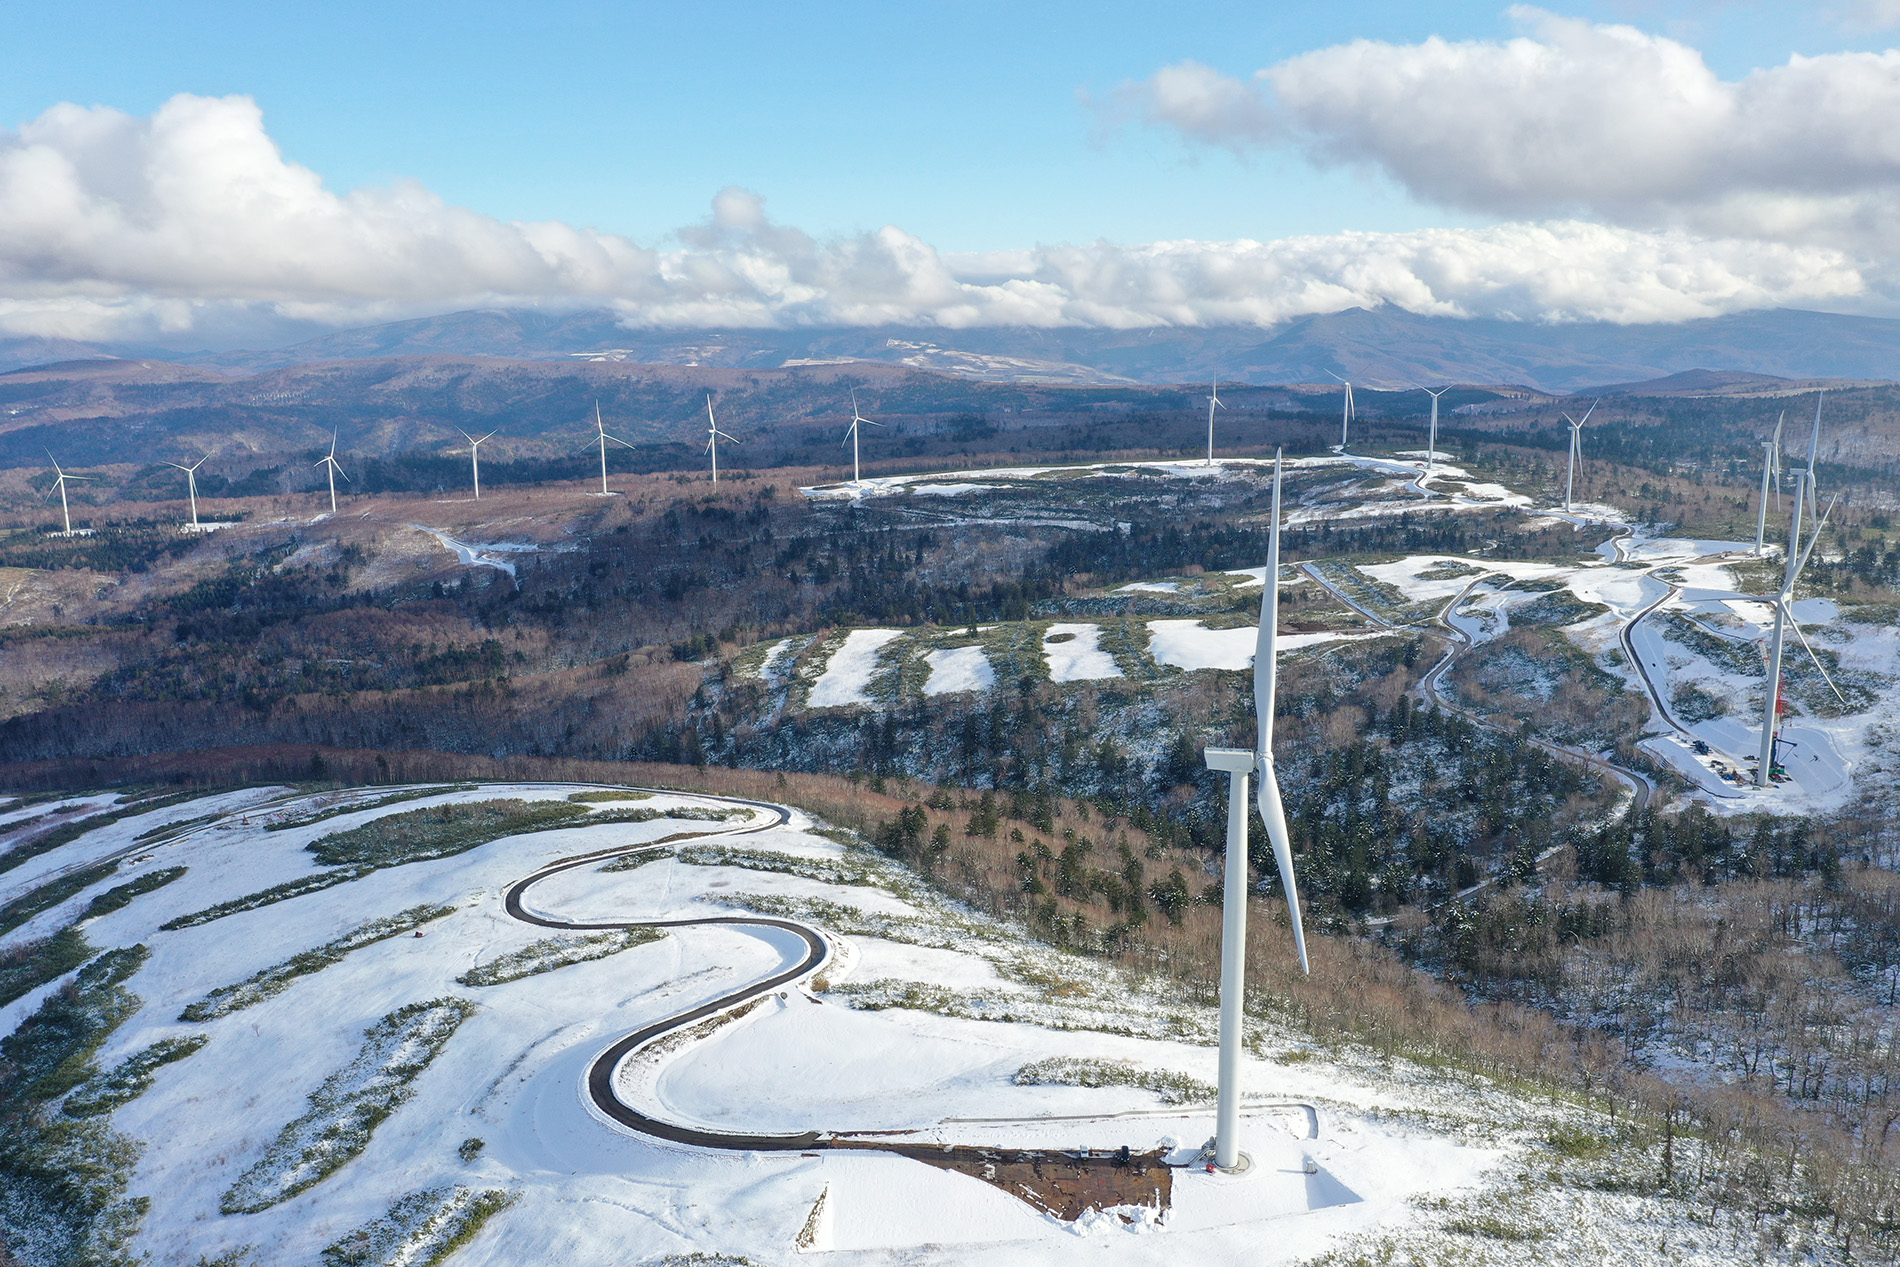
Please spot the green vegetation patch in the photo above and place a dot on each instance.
(63, 1182)
(556, 952)
(66, 833)
(121, 895)
(51, 894)
(358, 807)
(350, 1104)
(274, 980)
(314, 883)
(420, 1229)
(634, 861)
(130, 1079)
(1557, 607)
(441, 831)
(1692, 704)
(608, 794)
(30, 965)
(1064, 1071)
(51, 1052)
(1740, 658)
(858, 871)
(176, 825)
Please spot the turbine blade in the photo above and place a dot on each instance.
(1274, 816)
(1796, 626)
(1812, 542)
(1592, 409)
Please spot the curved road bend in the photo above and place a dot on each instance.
(600, 1074)
(1457, 640)
(1064, 1184)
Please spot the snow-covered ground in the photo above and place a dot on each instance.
(1078, 656)
(959, 669)
(850, 669)
(1187, 644)
(1660, 578)
(480, 555)
(589, 1192)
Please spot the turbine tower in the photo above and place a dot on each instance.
(329, 460)
(1804, 495)
(601, 437)
(191, 485)
(851, 434)
(713, 434)
(1431, 444)
(1238, 764)
(1784, 621)
(1770, 472)
(474, 455)
(1345, 411)
(1213, 403)
(1576, 450)
(59, 482)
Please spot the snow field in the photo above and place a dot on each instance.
(1186, 644)
(1079, 657)
(960, 669)
(586, 1193)
(849, 670)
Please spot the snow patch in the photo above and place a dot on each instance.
(849, 671)
(960, 669)
(1078, 658)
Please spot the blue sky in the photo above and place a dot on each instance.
(959, 122)
(224, 171)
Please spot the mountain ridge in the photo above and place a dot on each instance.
(1385, 347)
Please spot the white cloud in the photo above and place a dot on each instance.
(191, 223)
(1578, 118)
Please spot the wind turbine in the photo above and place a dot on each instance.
(59, 482)
(191, 483)
(713, 433)
(857, 419)
(1814, 447)
(1784, 620)
(1238, 764)
(1576, 450)
(1213, 403)
(1345, 412)
(1431, 445)
(329, 460)
(474, 460)
(1770, 471)
(601, 437)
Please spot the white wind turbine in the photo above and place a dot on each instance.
(329, 460)
(1345, 411)
(59, 482)
(1576, 450)
(600, 437)
(191, 485)
(713, 434)
(1431, 444)
(1238, 764)
(851, 434)
(1213, 403)
(1784, 621)
(474, 458)
(1804, 494)
(1770, 473)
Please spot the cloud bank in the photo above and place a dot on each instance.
(1578, 119)
(191, 221)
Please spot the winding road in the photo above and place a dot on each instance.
(600, 1074)
(1061, 1183)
